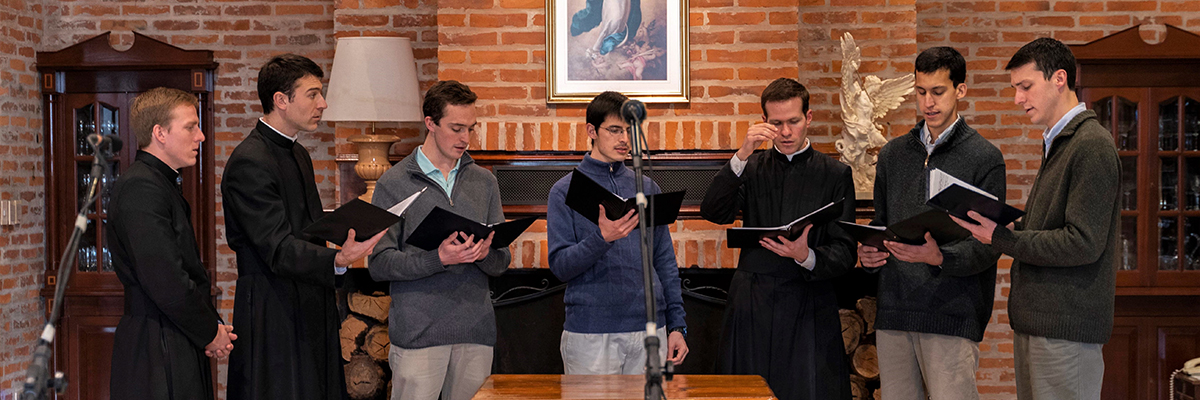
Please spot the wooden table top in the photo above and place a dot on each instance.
(620, 387)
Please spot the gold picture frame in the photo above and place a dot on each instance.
(586, 55)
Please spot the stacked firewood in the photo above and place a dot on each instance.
(365, 345)
(858, 334)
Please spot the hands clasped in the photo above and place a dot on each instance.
(222, 344)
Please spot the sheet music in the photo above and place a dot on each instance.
(404, 204)
(939, 180)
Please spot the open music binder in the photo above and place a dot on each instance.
(585, 197)
(366, 219)
(747, 237)
(441, 223)
(909, 231)
(953, 196)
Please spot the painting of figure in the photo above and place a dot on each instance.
(637, 47)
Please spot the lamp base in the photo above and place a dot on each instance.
(372, 159)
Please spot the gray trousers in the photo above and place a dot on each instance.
(607, 353)
(913, 365)
(1056, 369)
(453, 371)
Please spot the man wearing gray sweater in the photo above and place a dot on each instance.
(1063, 276)
(441, 322)
(935, 299)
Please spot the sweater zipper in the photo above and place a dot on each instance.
(439, 186)
(611, 179)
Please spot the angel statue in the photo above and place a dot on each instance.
(862, 104)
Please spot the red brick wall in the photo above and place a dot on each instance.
(498, 47)
(21, 178)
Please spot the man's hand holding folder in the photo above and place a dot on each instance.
(464, 235)
(613, 230)
(457, 249)
(783, 238)
(584, 195)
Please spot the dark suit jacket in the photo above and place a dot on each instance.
(158, 349)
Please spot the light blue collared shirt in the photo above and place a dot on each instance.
(1049, 135)
(940, 139)
(434, 173)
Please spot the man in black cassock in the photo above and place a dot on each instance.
(782, 321)
(284, 305)
(170, 326)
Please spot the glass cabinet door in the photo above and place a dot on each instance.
(1119, 114)
(1176, 160)
(102, 118)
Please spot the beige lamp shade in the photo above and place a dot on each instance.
(373, 79)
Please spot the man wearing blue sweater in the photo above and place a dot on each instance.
(602, 263)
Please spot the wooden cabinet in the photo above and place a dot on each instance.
(86, 89)
(1148, 96)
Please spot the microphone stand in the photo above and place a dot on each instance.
(37, 379)
(654, 366)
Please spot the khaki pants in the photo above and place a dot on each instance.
(913, 364)
(608, 353)
(1056, 369)
(453, 371)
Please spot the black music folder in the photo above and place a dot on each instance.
(441, 223)
(585, 197)
(366, 219)
(748, 237)
(953, 196)
(909, 231)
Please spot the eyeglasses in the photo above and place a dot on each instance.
(616, 130)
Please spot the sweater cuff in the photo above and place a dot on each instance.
(597, 243)
(1004, 239)
(432, 262)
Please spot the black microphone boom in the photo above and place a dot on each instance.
(633, 112)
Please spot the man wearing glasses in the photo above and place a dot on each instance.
(601, 262)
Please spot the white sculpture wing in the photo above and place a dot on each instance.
(888, 94)
(851, 58)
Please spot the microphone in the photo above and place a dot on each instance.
(633, 111)
(112, 143)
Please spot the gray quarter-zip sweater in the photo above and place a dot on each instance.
(432, 304)
(1064, 249)
(956, 297)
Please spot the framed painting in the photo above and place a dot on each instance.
(636, 47)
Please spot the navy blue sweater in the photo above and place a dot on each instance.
(604, 280)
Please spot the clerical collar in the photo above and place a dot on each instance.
(157, 164)
(289, 138)
(807, 145)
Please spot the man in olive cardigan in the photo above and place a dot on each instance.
(1063, 275)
